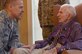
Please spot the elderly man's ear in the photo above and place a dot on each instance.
(69, 16)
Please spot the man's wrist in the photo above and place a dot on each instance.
(11, 50)
(59, 50)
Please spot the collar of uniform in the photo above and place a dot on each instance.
(4, 12)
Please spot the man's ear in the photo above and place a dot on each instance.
(68, 16)
(9, 6)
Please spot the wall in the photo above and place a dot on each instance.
(26, 24)
(23, 25)
(37, 31)
(29, 17)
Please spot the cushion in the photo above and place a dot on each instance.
(72, 52)
(79, 13)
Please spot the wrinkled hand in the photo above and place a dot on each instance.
(51, 51)
(47, 48)
(27, 46)
(30, 47)
(50, 47)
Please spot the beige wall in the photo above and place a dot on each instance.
(29, 16)
(23, 25)
(26, 24)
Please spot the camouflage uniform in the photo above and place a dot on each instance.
(44, 14)
(9, 35)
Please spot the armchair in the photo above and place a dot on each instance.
(79, 13)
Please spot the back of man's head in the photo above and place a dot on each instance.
(9, 2)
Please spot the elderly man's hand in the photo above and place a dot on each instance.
(30, 47)
(51, 51)
(27, 46)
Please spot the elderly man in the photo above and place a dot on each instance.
(70, 30)
(68, 34)
(44, 15)
(9, 16)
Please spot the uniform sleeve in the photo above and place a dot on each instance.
(2, 46)
(15, 41)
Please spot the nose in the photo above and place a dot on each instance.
(22, 10)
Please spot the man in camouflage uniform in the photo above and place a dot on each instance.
(44, 14)
(10, 14)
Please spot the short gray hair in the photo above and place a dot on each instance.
(70, 9)
(9, 2)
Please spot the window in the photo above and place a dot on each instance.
(75, 2)
(37, 32)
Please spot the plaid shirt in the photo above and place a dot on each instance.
(9, 37)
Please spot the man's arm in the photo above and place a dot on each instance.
(2, 36)
(43, 43)
(49, 40)
(76, 43)
(14, 40)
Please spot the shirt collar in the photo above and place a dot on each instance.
(67, 25)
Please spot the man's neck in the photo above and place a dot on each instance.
(9, 14)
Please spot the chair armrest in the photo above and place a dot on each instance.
(39, 41)
(72, 52)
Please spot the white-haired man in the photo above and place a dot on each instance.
(68, 34)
